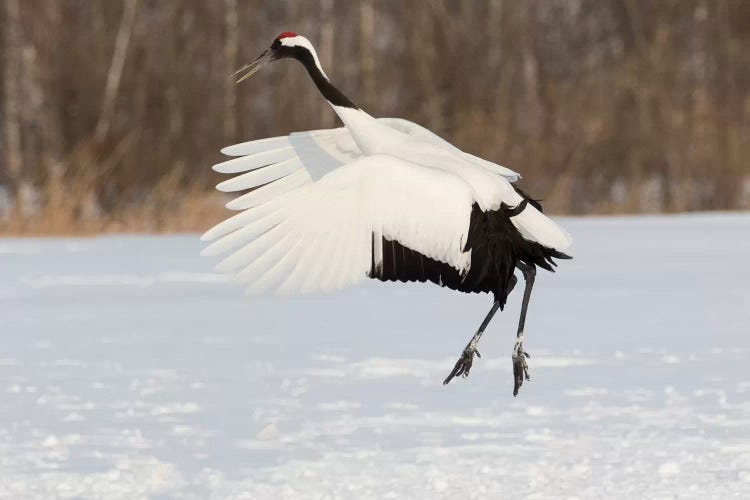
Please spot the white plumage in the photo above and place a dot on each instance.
(380, 198)
(318, 237)
(319, 182)
(329, 225)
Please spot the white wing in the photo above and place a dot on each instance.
(323, 150)
(322, 236)
(278, 165)
(420, 132)
(274, 166)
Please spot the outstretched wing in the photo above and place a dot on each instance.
(418, 131)
(320, 151)
(273, 167)
(325, 235)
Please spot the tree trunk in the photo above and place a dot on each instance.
(366, 49)
(326, 50)
(114, 76)
(12, 95)
(531, 73)
(231, 41)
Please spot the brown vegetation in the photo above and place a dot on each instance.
(112, 112)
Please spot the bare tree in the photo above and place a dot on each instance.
(326, 48)
(367, 58)
(231, 42)
(12, 94)
(606, 105)
(114, 76)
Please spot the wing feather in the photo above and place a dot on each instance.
(302, 268)
(319, 236)
(242, 219)
(242, 257)
(266, 259)
(322, 151)
(276, 275)
(260, 176)
(256, 146)
(267, 192)
(241, 236)
(418, 131)
(256, 160)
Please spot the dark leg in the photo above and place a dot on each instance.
(520, 367)
(463, 365)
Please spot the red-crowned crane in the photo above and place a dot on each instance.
(378, 198)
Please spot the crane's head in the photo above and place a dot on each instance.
(286, 45)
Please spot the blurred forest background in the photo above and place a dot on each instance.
(113, 111)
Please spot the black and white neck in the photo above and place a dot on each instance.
(300, 48)
(371, 136)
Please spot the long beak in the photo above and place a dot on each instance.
(254, 66)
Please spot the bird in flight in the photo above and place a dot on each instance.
(380, 198)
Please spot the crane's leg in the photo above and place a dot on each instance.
(520, 367)
(463, 365)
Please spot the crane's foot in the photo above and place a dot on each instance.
(520, 367)
(463, 365)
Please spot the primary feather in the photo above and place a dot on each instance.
(326, 227)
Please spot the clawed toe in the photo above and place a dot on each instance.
(520, 368)
(463, 365)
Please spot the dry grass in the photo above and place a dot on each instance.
(173, 209)
(68, 202)
(188, 210)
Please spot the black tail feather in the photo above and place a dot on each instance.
(496, 246)
(534, 203)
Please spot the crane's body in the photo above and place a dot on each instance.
(379, 198)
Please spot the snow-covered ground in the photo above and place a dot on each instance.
(129, 370)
